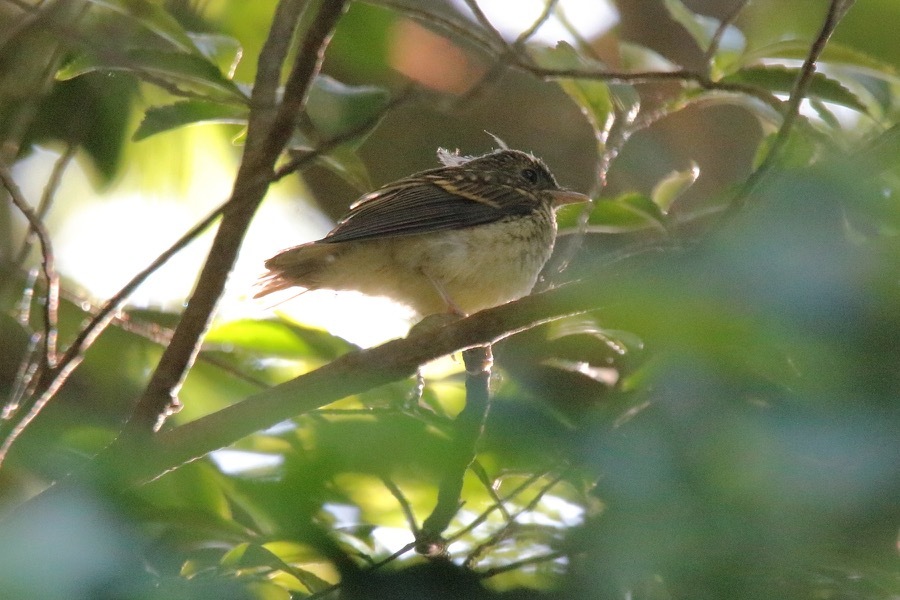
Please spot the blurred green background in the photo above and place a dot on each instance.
(726, 424)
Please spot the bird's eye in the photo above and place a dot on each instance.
(530, 174)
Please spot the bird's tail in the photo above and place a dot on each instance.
(297, 266)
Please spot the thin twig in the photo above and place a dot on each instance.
(388, 559)
(486, 23)
(300, 162)
(501, 533)
(836, 9)
(24, 376)
(461, 31)
(716, 38)
(542, 18)
(51, 297)
(497, 506)
(50, 189)
(405, 506)
(510, 55)
(490, 487)
(100, 320)
(533, 560)
(394, 556)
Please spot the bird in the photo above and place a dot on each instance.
(469, 235)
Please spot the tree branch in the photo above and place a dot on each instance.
(51, 299)
(42, 367)
(269, 127)
(357, 372)
(50, 189)
(469, 427)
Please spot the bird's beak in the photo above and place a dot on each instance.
(561, 197)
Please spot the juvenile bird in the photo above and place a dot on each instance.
(470, 235)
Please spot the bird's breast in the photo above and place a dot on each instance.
(486, 265)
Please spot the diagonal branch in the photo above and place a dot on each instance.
(269, 127)
(836, 10)
(359, 371)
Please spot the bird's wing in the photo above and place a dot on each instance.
(430, 203)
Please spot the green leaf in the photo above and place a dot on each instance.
(222, 50)
(833, 53)
(153, 17)
(597, 99)
(799, 151)
(781, 79)
(100, 124)
(629, 212)
(246, 556)
(635, 57)
(336, 108)
(287, 553)
(344, 162)
(673, 185)
(173, 68)
(700, 27)
(363, 43)
(197, 488)
(158, 119)
(278, 338)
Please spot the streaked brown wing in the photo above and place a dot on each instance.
(430, 203)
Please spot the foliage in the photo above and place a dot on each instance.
(701, 402)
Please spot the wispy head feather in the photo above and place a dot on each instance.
(497, 139)
(452, 159)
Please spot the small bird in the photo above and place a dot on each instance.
(470, 235)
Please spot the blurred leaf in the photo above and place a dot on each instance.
(619, 341)
(278, 338)
(158, 119)
(635, 57)
(868, 27)
(700, 27)
(834, 53)
(174, 68)
(673, 185)
(196, 487)
(249, 556)
(362, 44)
(592, 96)
(222, 50)
(268, 590)
(268, 338)
(154, 18)
(92, 111)
(799, 151)
(782, 79)
(629, 212)
(346, 163)
(336, 108)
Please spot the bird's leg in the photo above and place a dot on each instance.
(438, 320)
(448, 301)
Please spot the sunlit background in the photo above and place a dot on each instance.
(103, 242)
(726, 421)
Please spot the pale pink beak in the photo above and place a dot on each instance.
(561, 197)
